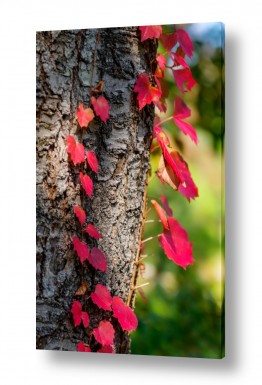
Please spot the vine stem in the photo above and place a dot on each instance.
(136, 263)
(163, 121)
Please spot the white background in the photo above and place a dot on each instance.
(20, 363)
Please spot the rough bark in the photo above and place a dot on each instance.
(69, 63)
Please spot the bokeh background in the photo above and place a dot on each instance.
(181, 313)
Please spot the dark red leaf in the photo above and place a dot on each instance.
(87, 184)
(81, 347)
(84, 117)
(125, 315)
(146, 93)
(176, 245)
(81, 248)
(182, 112)
(104, 333)
(101, 107)
(80, 214)
(161, 213)
(92, 161)
(185, 42)
(76, 150)
(150, 31)
(97, 259)
(92, 231)
(102, 297)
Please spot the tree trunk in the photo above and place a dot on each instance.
(69, 64)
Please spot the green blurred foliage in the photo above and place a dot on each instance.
(183, 312)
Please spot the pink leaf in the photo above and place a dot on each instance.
(150, 31)
(80, 214)
(182, 112)
(104, 333)
(92, 231)
(179, 60)
(81, 248)
(106, 349)
(76, 150)
(84, 117)
(125, 315)
(85, 319)
(176, 245)
(81, 347)
(87, 184)
(92, 161)
(102, 297)
(97, 259)
(101, 107)
(184, 79)
(146, 93)
(161, 61)
(185, 42)
(161, 213)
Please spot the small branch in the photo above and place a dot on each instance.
(163, 121)
(150, 238)
(152, 220)
(143, 284)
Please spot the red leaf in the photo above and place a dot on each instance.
(76, 150)
(85, 319)
(188, 188)
(168, 40)
(97, 259)
(92, 161)
(150, 31)
(84, 117)
(179, 60)
(79, 315)
(161, 61)
(76, 311)
(87, 184)
(81, 347)
(125, 315)
(92, 231)
(81, 248)
(185, 42)
(184, 79)
(146, 93)
(106, 349)
(176, 245)
(102, 297)
(182, 112)
(167, 173)
(101, 107)
(80, 213)
(104, 333)
(161, 213)
(166, 205)
(168, 158)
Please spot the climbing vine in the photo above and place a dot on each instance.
(172, 169)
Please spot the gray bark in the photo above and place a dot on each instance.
(65, 63)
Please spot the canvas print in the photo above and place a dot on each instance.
(130, 190)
